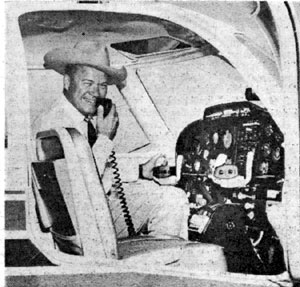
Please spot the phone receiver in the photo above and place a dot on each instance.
(106, 104)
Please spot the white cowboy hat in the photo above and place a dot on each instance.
(89, 53)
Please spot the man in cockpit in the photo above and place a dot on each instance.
(161, 210)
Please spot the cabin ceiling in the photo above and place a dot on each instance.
(45, 30)
(94, 23)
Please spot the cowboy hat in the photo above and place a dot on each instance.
(89, 53)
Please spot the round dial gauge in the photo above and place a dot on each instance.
(197, 165)
(264, 168)
(267, 149)
(269, 130)
(276, 154)
(206, 139)
(227, 139)
(215, 138)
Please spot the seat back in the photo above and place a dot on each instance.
(70, 200)
(52, 209)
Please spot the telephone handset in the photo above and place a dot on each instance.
(106, 104)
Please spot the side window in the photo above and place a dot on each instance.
(149, 46)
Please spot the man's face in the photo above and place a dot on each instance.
(84, 88)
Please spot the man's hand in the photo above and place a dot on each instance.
(107, 126)
(147, 168)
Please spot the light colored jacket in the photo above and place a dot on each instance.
(64, 114)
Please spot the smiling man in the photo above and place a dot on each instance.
(87, 74)
(83, 86)
(161, 211)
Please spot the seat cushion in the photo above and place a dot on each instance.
(173, 252)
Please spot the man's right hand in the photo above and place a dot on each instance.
(147, 168)
(107, 126)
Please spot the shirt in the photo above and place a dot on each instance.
(64, 114)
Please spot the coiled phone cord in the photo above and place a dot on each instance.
(120, 191)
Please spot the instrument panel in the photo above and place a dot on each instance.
(236, 148)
